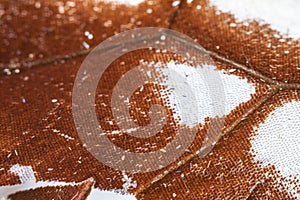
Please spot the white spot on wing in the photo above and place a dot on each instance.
(279, 14)
(25, 173)
(236, 91)
(278, 142)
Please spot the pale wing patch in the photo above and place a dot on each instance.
(281, 15)
(25, 173)
(278, 143)
(236, 91)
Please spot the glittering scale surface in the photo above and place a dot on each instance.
(43, 44)
(33, 30)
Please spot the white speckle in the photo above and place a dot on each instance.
(63, 135)
(31, 55)
(56, 131)
(107, 23)
(116, 132)
(282, 40)
(142, 88)
(7, 71)
(130, 130)
(163, 37)
(231, 70)
(54, 100)
(61, 9)
(189, 1)
(149, 11)
(198, 7)
(175, 3)
(232, 24)
(163, 150)
(128, 182)
(174, 195)
(37, 5)
(23, 100)
(86, 45)
(90, 36)
(279, 14)
(278, 142)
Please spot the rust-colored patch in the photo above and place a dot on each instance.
(229, 171)
(36, 103)
(252, 45)
(35, 30)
